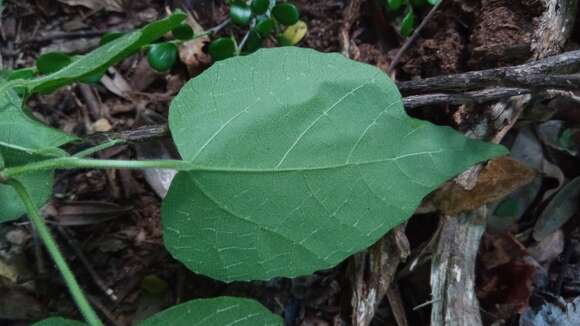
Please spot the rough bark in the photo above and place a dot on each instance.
(453, 270)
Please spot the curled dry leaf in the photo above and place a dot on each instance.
(548, 249)
(552, 133)
(117, 84)
(158, 179)
(191, 52)
(560, 209)
(506, 275)
(499, 178)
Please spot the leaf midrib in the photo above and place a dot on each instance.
(200, 168)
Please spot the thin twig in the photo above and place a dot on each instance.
(458, 83)
(136, 135)
(351, 13)
(86, 263)
(219, 27)
(413, 37)
(514, 76)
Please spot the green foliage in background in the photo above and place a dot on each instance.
(406, 9)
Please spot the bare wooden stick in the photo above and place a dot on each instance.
(350, 15)
(457, 83)
(533, 74)
(135, 135)
(476, 97)
(453, 270)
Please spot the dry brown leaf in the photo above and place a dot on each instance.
(109, 5)
(499, 178)
(191, 52)
(506, 275)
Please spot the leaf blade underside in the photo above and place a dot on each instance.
(302, 159)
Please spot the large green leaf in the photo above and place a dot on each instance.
(223, 311)
(109, 54)
(302, 159)
(23, 139)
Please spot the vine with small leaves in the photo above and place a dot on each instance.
(406, 10)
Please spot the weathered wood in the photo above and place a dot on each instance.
(373, 271)
(453, 270)
(533, 74)
(554, 28)
(136, 135)
(453, 265)
(476, 97)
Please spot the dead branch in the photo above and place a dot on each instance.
(476, 97)
(136, 135)
(453, 270)
(350, 15)
(530, 75)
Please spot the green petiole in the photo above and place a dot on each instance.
(81, 163)
(75, 290)
(98, 148)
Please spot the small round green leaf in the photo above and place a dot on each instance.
(215, 312)
(419, 3)
(52, 62)
(222, 48)
(162, 56)
(93, 78)
(24, 73)
(107, 55)
(110, 36)
(265, 27)
(240, 13)
(253, 43)
(183, 32)
(559, 210)
(283, 40)
(408, 23)
(260, 7)
(286, 13)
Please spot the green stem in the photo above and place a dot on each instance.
(75, 290)
(80, 163)
(98, 148)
